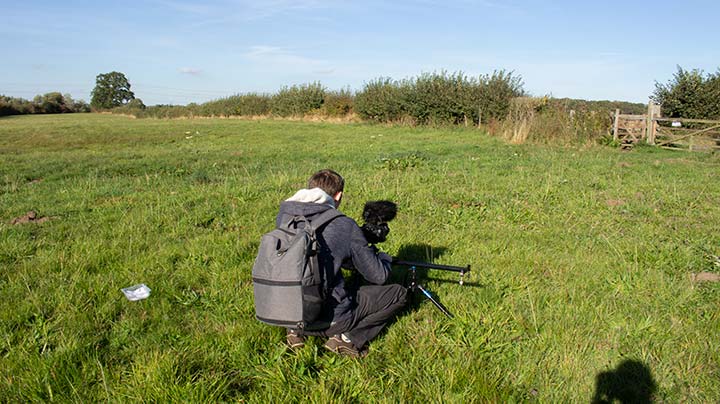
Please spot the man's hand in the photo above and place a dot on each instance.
(384, 257)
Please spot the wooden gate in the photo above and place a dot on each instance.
(668, 133)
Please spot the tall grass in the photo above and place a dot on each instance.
(580, 283)
(559, 121)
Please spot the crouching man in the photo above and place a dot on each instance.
(354, 315)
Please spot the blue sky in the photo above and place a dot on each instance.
(177, 51)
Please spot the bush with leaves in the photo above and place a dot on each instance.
(49, 103)
(15, 106)
(439, 98)
(253, 104)
(496, 92)
(382, 100)
(338, 103)
(690, 94)
(298, 100)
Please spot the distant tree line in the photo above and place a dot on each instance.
(112, 90)
(497, 100)
(50, 103)
(432, 98)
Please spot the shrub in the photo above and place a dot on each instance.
(135, 103)
(253, 105)
(240, 104)
(601, 106)
(134, 107)
(381, 100)
(497, 91)
(690, 94)
(163, 111)
(298, 100)
(49, 103)
(338, 103)
(439, 98)
(81, 106)
(15, 106)
(6, 108)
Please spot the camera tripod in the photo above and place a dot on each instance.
(414, 285)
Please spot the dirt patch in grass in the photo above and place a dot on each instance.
(705, 277)
(30, 217)
(615, 202)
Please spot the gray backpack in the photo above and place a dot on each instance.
(287, 280)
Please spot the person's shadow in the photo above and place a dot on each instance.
(630, 382)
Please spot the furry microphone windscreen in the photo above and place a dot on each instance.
(376, 212)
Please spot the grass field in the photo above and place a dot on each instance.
(581, 284)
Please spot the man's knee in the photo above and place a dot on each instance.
(400, 293)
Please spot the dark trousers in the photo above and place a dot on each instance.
(376, 305)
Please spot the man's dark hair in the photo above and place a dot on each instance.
(327, 180)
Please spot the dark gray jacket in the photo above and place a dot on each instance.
(343, 244)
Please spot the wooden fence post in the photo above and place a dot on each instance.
(479, 116)
(615, 125)
(656, 114)
(650, 125)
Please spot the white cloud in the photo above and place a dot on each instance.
(190, 70)
(324, 72)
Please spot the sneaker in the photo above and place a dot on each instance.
(295, 340)
(339, 345)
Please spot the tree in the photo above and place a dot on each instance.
(111, 90)
(690, 94)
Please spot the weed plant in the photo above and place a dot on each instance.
(581, 284)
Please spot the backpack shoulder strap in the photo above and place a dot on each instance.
(325, 217)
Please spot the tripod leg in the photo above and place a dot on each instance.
(435, 302)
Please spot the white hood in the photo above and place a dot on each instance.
(315, 195)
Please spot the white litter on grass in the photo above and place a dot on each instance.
(136, 292)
